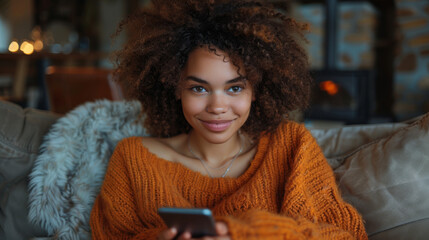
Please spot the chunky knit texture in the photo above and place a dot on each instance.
(288, 192)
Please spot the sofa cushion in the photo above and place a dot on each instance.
(387, 181)
(337, 142)
(412, 230)
(21, 133)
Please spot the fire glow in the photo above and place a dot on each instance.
(329, 86)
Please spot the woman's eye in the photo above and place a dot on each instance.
(235, 89)
(198, 89)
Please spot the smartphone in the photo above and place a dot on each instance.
(198, 221)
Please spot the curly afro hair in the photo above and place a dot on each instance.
(254, 35)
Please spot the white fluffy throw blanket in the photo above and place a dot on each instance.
(67, 175)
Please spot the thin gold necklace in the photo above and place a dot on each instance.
(223, 166)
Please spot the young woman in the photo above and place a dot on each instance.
(216, 80)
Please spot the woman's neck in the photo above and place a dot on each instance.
(214, 154)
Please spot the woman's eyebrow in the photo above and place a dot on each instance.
(199, 80)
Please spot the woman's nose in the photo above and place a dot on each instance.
(218, 103)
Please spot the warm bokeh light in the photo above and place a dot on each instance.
(38, 45)
(14, 46)
(23, 45)
(329, 86)
(27, 48)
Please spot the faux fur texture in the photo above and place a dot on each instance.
(69, 171)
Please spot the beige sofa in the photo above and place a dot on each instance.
(382, 169)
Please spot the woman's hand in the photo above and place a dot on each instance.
(221, 229)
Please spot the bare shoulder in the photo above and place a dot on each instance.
(165, 148)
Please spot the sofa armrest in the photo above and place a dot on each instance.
(21, 133)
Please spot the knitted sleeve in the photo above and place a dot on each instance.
(114, 214)
(312, 207)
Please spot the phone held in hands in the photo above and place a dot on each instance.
(198, 221)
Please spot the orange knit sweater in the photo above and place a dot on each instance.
(288, 192)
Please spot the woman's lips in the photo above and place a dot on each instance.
(217, 126)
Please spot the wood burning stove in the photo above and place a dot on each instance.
(355, 96)
(345, 96)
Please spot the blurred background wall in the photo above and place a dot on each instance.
(357, 22)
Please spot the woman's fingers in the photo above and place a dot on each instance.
(185, 235)
(168, 234)
(221, 228)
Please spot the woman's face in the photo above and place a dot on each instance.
(215, 99)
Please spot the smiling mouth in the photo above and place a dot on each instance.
(217, 126)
